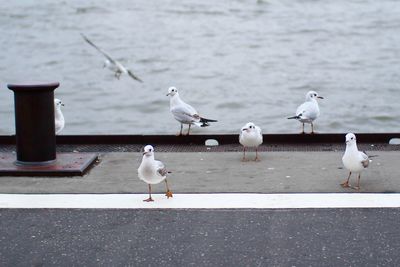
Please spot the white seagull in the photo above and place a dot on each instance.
(354, 160)
(111, 63)
(309, 110)
(250, 136)
(152, 171)
(58, 116)
(185, 113)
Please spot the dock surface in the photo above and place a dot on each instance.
(286, 210)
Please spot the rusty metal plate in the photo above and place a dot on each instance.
(67, 164)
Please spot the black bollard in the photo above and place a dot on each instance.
(34, 123)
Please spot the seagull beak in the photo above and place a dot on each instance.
(320, 97)
(145, 153)
(245, 129)
(62, 104)
(168, 94)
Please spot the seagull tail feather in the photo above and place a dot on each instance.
(294, 117)
(205, 122)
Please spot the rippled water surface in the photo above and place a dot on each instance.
(235, 61)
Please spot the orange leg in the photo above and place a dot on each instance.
(169, 192)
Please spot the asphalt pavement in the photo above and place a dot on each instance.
(293, 237)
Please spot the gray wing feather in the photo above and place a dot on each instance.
(98, 49)
(130, 73)
(183, 114)
(365, 160)
(161, 168)
(307, 110)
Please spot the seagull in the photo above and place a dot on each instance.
(185, 113)
(112, 64)
(250, 136)
(309, 110)
(152, 171)
(59, 117)
(354, 160)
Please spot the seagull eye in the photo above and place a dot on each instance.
(315, 94)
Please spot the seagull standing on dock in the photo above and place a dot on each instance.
(112, 64)
(58, 116)
(250, 136)
(152, 171)
(354, 160)
(185, 113)
(309, 110)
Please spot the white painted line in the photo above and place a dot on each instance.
(200, 201)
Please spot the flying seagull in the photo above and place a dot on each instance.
(112, 64)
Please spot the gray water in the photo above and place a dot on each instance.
(235, 61)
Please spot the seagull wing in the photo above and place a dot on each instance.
(161, 168)
(130, 73)
(183, 114)
(307, 110)
(364, 159)
(99, 49)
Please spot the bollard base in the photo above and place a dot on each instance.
(41, 163)
(67, 164)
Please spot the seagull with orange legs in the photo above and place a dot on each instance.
(185, 113)
(355, 161)
(152, 171)
(250, 136)
(309, 110)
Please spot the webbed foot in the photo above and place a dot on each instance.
(168, 193)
